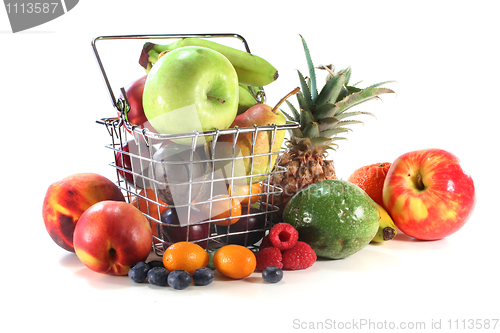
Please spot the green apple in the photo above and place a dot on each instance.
(191, 88)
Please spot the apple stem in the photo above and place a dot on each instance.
(222, 101)
(420, 183)
(291, 93)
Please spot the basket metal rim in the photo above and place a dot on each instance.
(117, 122)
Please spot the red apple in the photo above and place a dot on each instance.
(428, 194)
(140, 166)
(112, 236)
(134, 91)
(66, 200)
(135, 115)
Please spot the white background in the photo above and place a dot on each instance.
(444, 56)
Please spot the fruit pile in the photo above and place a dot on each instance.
(111, 236)
(199, 85)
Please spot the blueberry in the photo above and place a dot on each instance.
(203, 276)
(138, 272)
(272, 274)
(158, 276)
(155, 263)
(179, 279)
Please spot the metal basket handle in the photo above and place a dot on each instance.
(160, 36)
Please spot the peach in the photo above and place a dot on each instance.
(66, 200)
(112, 236)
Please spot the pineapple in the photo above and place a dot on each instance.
(322, 117)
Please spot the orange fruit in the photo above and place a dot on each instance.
(223, 207)
(234, 261)
(243, 192)
(185, 256)
(371, 179)
(149, 208)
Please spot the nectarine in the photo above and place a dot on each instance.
(66, 200)
(111, 237)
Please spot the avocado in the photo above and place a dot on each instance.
(336, 218)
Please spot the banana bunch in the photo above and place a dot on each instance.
(386, 229)
(252, 70)
(247, 98)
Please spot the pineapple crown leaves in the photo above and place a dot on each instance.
(322, 115)
(312, 72)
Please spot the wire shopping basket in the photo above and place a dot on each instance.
(206, 191)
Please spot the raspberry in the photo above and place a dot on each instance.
(266, 242)
(283, 236)
(301, 256)
(270, 256)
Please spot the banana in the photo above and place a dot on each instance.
(251, 69)
(246, 99)
(387, 229)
